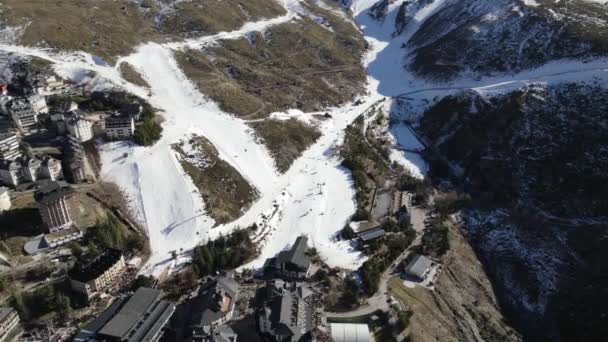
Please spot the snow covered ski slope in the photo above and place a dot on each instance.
(314, 197)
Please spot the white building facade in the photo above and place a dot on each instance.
(80, 128)
(9, 147)
(117, 127)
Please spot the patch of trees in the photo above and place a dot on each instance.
(224, 253)
(348, 233)
(420, 188)
(435, 240)
(403, 319)
(371, 270)
(350, 293)
(148, 132)
(366, 164)
(142, 281)
(39, 302)
(109, 233)
(393, 226)
(179, 283)
(121, 102)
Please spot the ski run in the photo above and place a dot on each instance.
(315, 196)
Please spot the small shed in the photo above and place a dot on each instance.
(350, 332)
(371, 234)
(419, 267)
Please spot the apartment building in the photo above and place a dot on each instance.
(119, 127)
(56, 202)
(80, 128)
(97, 274)
(9, 147)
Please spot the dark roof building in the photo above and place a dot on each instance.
(91, 277)
(53, 191)
(371, 234)
(89, 331)
(286, 311)
(293, 263)
(139, 318)
(217, 302)
(419, 266)
(93, 269)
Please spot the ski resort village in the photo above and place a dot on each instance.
(300, 170)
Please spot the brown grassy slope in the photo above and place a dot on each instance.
(463, 306)
(286, 140)
(109, 28)
(130, 74)
(104, 28)
(300, 64)
(225, 192)
(210, 16)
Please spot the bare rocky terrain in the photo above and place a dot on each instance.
(502, 36)
(534, 162)
(462, 306)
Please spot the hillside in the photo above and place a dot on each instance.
(113, 28)
(310, 63)
(474, 38)
(534, 161)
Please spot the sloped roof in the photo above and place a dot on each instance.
(53, 191)
(297, 254)
(418, 266)
(130, 313)
(95, 325)
(210, 300)
(372, 234)
(347, 332)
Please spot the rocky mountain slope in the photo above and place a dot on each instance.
(534, 161)
(462, 306)
(501, 36)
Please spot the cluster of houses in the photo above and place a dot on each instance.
(15, 168)
(24, 115)
(286, 306)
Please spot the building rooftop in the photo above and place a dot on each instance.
(5, 312)
(349, 332)
(215, 301)
(61, 234)
(418, 266)
(7, 136)
(224, 334)
(118, 121)
(92, 270)
(297, 254)
(142, 317)
(95, 325)
(371, 234)
(53, 191)
(288, 308)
